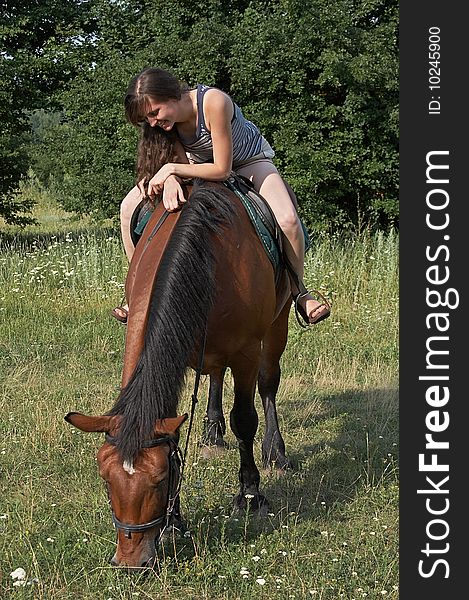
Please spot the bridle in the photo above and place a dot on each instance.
(175, 460)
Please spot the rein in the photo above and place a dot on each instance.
(177, 462)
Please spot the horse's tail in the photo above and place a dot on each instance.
(182, 297)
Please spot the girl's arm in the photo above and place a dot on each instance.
(218, 114)
(173, 195)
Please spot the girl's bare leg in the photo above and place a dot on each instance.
(268, 182)
(128, 206)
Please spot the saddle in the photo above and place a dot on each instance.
(262, 218)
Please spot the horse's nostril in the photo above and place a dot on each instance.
(114, 562)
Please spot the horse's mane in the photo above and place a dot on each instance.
(182, 297)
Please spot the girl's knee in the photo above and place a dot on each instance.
(288, 222)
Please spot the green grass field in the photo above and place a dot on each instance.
(333, 528)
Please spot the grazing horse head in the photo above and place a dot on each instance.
(144, 493)
(214, 282)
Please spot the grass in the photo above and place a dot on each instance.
(332, 531)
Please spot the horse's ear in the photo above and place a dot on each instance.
(170, 426)
(102, 424)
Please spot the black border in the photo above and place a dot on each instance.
(420, 133)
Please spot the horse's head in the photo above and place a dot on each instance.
(143, 495)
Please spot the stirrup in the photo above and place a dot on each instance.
(300, 311)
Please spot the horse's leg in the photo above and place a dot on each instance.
(214, 425)
(273, 446)
(243, 422)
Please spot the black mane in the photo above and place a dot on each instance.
(181, 300)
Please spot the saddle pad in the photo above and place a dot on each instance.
(263, 219)
(267, 234)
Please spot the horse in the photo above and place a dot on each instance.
(215, 304)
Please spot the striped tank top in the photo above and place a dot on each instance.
(247, 139)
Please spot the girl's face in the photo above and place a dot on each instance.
(162, 114)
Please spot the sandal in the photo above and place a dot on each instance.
(121, 314)
(300, 311)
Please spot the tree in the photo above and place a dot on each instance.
(330, 72)
(40, 42)
(95, 147)
(319, 78)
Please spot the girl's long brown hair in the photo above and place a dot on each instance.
(155, 149)
(151, 84)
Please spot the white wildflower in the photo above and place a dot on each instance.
(18, 573)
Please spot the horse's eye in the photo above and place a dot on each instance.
(158, 481)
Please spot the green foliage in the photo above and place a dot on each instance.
(13, 125)
(318, 78)
(43, 44)
(13, 160)
(95, 148)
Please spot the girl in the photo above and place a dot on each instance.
(211, 138)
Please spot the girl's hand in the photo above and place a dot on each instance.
(173, 196)
(156, 183)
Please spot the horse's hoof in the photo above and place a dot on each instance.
(209, 452)
(263, 510)
(176, 528)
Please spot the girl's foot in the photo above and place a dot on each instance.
(121, 313)
(310, 309)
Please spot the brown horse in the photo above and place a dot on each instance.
(216, 284)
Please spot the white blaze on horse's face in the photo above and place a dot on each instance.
(128, 467)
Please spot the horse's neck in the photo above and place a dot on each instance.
(139, 283)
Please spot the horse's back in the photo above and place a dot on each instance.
(247, 299)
